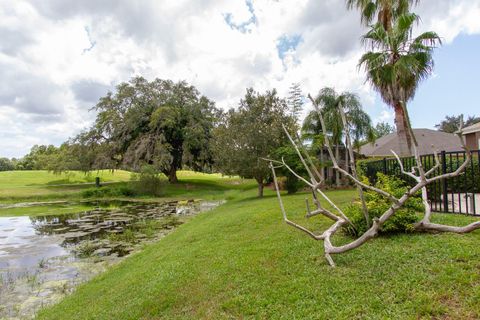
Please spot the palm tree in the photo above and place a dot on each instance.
(396, 64)
(384, 10)
(359, 122)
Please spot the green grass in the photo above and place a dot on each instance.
(241, 261)
(17, 186)
(40, 184)
(31, 186)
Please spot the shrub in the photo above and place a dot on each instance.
(123, 190)
(401, 221)
(292, 184)
(147, 182)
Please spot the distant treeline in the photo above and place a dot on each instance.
(164, 126)
(36, 159)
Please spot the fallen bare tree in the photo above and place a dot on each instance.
(315, 182)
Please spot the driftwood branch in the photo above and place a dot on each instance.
(340, 219)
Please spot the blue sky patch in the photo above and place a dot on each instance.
(243, 27)
(286, 43)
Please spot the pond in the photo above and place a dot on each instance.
(43, 258)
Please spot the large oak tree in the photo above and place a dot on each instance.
(160, 123)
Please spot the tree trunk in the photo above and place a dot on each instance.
(322, 167)
(337, 157)
(172, 175)
(260, 187)
(347, 167)
(404, 139)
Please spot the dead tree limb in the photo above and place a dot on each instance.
(417, 173)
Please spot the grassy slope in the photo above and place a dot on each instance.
(192, 185)
(19, 186)
(43, 184)
(242, 261)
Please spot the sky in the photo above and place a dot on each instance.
(58, 57)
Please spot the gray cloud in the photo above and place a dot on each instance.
(13, 40)
(28, 93)
(89, 91)
(328, 27)
(143, 21)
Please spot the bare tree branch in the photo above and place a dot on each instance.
(341, 219)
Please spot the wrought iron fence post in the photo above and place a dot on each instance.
(385, 166)
(444, 182)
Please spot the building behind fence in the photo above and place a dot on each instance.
(459, 194)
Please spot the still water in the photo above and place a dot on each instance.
(44, 258)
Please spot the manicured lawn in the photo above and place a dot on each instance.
(18, 186)
(31, 186)
(34, 184)
(241, 261)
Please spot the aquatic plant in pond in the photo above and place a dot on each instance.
(44, 258)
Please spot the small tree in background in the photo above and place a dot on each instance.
(382, 129)
(6, 164)
(360, 124)
(295, 100)
(451, 124)
(250, 133)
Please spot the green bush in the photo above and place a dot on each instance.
(147, 182)
(290, 183)
(123, 190)
(293, 184)
(401, 221)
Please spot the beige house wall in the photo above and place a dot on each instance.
(472, 140)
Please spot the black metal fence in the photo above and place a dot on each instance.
(459, 194)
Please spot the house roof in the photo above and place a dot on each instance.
(472, 129)
(428, 141)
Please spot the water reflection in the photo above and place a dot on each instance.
(39, 254)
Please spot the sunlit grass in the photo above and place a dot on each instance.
(241, 261)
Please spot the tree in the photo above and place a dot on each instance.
(360, 123)
(396, 64)
(312, 131)
(295, 100)
(36, 158)
(159, 123)
(289, 155)
(384, 10)
(382, 129)
(250, 133)
(451, 124)
(6, 164)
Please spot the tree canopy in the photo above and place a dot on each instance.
(451, 124)
(161, 123)
(396, 64)
(250, 133)
(382, 129)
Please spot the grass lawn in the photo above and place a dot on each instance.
(27, 186)
(41, 184)
(18, 186)
(241, 261)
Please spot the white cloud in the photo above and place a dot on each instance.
(58, 56)
(385, 116)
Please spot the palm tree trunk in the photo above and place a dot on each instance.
(404, 139)
(346, 159)
(322, 168)
(337, 157)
